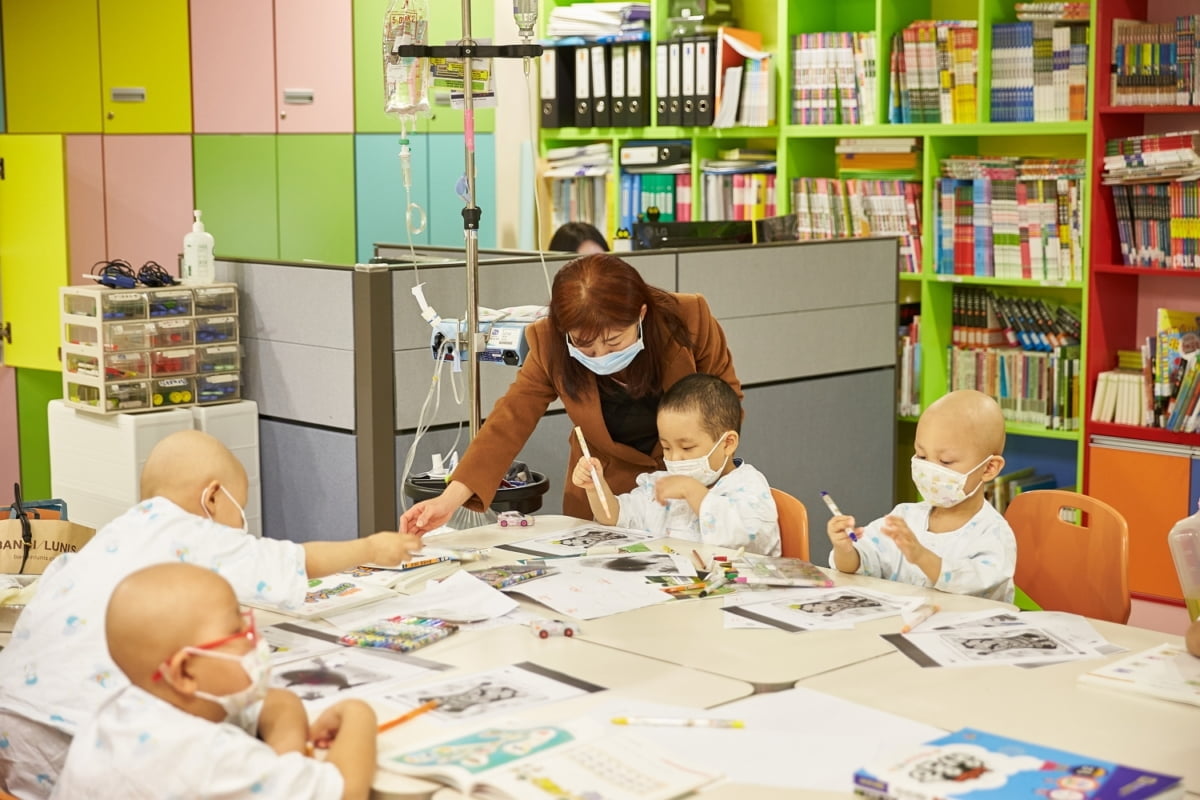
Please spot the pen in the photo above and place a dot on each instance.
(833, 509)
(684, 587)
(416, 712)
(595, 478)
(914, 617)
(680, 722)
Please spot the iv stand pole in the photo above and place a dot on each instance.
(471, 215)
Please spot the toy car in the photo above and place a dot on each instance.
(545, 628)
(514, 518)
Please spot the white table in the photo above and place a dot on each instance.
(1043, 705)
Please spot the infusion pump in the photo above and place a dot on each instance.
(503, 331)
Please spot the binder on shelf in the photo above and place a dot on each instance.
(583, 88)
(687, 82)
(557, 89)
(674, 78)
(637, 84)
(617, 80)
(705, 81)
(661, 83)
(601, 100)
(656, 154)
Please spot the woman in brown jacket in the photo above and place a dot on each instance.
(610, 347)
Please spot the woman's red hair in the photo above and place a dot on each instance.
(597, 293)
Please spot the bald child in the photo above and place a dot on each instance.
(954, 540)
(195, 663)
(56, 671)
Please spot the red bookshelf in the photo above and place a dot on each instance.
(1120, 313)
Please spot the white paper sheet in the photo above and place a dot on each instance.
(591, 593)
(348, 672)
(458, 598)
(290, 645)
(578, 540)
(642, 564)
(823, 609)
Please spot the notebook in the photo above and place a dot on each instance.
(330, 595)
(781, 572)
(579, 759)
(973, 764)
(1167, 671)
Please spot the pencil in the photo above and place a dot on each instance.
(403, 718)
(698, 561)
(595, 478)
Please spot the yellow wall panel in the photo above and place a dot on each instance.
(33, 246)
(145, 44)
(52, 66)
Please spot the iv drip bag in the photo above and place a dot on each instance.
(406, 81)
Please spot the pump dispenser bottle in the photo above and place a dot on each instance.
(1184, 541)
(198, 254)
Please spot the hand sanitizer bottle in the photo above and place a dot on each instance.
(1184, 540)
(198, 254)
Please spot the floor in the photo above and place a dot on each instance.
(1158, 616)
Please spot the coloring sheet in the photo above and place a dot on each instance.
(347, 672)
(642, 564)
(577, 541)
(592, 593)
(332, 594)
(290, 642)
(459, 598)
(816, 609)
(502, 690)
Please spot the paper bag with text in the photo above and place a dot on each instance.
(49, 539)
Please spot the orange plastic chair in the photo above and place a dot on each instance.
(1083, 569)
(793, 525)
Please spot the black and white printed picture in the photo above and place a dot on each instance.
(841, 606)
(327, 676)
(584, 539)
(632, 564)
(1003, 647)
(501, 690)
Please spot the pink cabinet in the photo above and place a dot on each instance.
(87, 240)
(10, 452)
(314, 66)
(233, 66)
(148, 197)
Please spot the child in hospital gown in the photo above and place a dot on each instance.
(954, 540)
(729, 505)
(196, 666)
(56, 671)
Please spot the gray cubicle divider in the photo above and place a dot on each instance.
(339, 360)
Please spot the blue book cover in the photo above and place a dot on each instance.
(982, 766)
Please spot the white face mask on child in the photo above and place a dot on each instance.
(942, 486)
(698, 468)
(257, 665)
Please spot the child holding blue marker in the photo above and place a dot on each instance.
(953, 540)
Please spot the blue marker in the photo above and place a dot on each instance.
(833, 509)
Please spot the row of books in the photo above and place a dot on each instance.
(1154, 63)
(1172, 355)
(1057, 12)
(739, 196)
(598, 19)
(834, 78)
(1001, 491)
(1039, 71)
(578, 183)
(660, 197)
(909, 360)
(1159, 224)
(982, 318)
(1119, 397)
(1007, 217)
(933, 72)
(1037, 388)
(830, 208)
(722, 80)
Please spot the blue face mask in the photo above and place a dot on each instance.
(609, 363)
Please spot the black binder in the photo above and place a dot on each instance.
(637, 84)
(706, 80)
(598, 55)
(674, 100)
(558, 87)
(618, 73)
(687, 82)
(583, 87)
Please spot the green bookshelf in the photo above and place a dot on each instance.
(808, 151)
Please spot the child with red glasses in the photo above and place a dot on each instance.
(196, 667)
(56, 671)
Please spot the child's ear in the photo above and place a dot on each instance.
(731, 441)
(993, 468)
(178, 670)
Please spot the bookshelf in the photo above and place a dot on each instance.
(1121, 303)
(808, 150)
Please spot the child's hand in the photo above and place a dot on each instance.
(837, 529)
(327, 726)
(582, 476)
(389, 549)
(678, 487)
(898, 531)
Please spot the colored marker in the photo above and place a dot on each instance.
(833, 509)
(914, 617)
(713, 583)
(403, 718)
(679, 722)
(684, 588)
(595, 477)
(698, 561)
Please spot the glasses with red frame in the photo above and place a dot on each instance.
(249, 632)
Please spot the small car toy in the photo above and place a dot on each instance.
(545, 628)
(514, 519)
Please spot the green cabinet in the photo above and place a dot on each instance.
(316, 197)
(237, 188)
